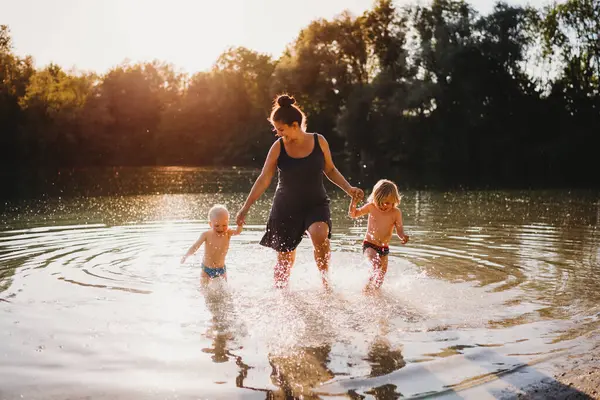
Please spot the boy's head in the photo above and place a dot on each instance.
(385, 195)
(218, 218)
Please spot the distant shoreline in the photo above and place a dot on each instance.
(407, 179)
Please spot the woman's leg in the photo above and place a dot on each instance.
(319, 234)
(285, 261)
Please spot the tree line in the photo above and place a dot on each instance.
(437, 92)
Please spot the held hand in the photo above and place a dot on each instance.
(356, 193)
(240, 218)
(238, 230)
(403, 239)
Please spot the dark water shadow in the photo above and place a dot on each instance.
(384, 359)
(299, 371)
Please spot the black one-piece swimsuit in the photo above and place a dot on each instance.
(300, 199)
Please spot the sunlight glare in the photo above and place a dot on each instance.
(183, 31)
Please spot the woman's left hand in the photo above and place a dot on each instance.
(356, 193)
(240, 218)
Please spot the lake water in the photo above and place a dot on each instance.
(94, 302)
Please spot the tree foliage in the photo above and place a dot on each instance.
(429, 91)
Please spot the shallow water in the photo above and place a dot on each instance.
(93, 300)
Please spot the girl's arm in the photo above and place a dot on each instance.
(332, 173)
(262, 182)
(400, 228)
(353, 212)
(194, 247)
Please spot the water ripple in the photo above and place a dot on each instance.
(475, 296)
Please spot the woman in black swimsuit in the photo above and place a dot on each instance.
(300, 204)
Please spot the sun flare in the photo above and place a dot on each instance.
(190, 35)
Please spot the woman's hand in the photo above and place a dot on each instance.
(240, 218)
(356, 193)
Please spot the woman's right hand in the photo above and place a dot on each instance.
(240, 218)
(356, 193)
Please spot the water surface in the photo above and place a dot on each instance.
(93, 300)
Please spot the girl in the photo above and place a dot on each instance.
(384, 216)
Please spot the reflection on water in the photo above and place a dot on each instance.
(382, 355)
(91, 291)
(299, 371)
(222, 328)
(219, 304)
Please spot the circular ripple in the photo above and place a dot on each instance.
(453, 293)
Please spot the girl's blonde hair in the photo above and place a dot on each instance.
(384, 189)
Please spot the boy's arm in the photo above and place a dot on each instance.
(400, 228)
(353, 212)
(236, 231)
(194, 247)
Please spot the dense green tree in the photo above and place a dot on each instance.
(15, 73)
(52, 105)
(571, 32)
(437, 92)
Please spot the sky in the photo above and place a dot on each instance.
(95, 35)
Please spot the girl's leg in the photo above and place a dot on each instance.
(375, 262)
(380, 275)
(319, 234)
(285, 261)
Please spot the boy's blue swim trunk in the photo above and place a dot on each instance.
(214, 272)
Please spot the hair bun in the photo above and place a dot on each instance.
(285, 101)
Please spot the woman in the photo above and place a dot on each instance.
(301, 203)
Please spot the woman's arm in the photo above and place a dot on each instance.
(262, 182)
(334, 175)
